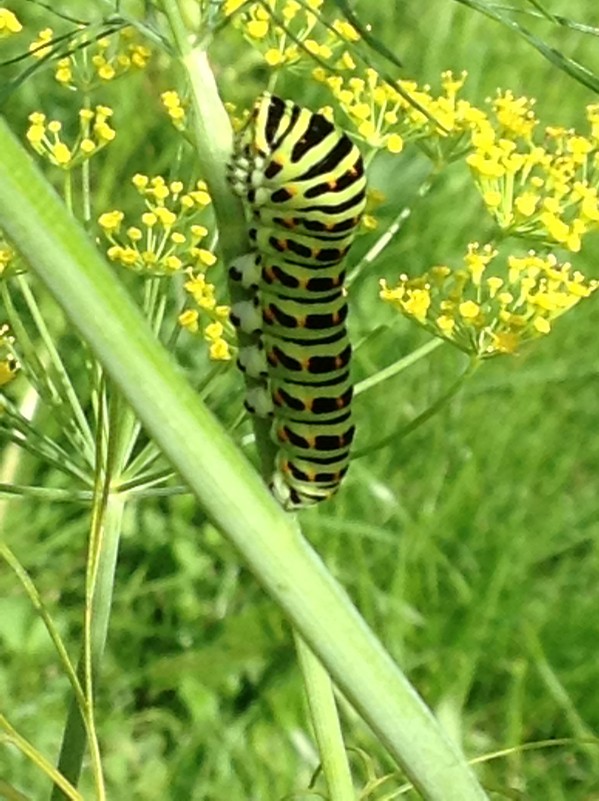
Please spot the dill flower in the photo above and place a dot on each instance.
(487, 315)
(209, 318)
(95, 61)
(290, 33)
(40, 47)
(174, 108)
(168, 237)
(9, 23)
(541, 188)
(95, 132)
(386, 116)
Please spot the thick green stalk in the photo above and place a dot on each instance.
(224, 483)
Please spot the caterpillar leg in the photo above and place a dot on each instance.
(247, 270)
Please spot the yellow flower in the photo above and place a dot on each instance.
(257, 28)
(214, 330)
(111, 220)
(274, 57)
(346, 30)
(469, 310)
(189, 320)
(9, 24)
(37, 48)
(231, 6)
(220, 351)
(394, 143)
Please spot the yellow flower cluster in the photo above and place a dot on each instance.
(9, 23)
(167, 240)
(544, 191)
(9, 366)
(490, 315)
(93, 62)
(218, 331)
(285, 31)
(386, 116)
(174, 108)
(168, 236)
(94, 133)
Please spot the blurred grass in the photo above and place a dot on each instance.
(470, 546)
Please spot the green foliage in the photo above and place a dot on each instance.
(468, 545)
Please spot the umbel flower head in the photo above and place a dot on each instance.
(487, 315)
(168, 239)
(168, 234)
(291, 33)
(94, 61)
(46, 137)
(539, 185)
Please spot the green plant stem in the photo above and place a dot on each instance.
(83, 438)
(74, 736)
(34, 597)
(397, 367)
(327, 727)
(67, 790)
(424, 416)
(11, 490)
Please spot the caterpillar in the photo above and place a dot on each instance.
(304, 186)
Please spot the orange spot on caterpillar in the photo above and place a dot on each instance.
(281, 435)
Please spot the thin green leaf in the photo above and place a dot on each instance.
(568, 65)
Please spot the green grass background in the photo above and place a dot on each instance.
(469, 546)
